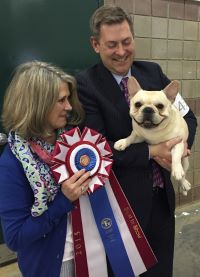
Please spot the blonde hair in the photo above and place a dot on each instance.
(31, 95)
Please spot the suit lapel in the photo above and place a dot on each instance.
(111, 90)
(138, 76)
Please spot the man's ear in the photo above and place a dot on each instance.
(133, 86)
(95, 44)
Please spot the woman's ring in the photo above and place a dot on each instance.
(83, 190)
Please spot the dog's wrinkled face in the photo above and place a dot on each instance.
(150, 108)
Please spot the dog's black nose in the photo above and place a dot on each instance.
(148, 110)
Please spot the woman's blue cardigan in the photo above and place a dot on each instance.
(38, 241)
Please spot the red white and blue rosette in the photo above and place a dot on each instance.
(103, 222)
(76, 151)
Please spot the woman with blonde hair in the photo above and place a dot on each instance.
(39, 103)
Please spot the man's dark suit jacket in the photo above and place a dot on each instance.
(107, 112)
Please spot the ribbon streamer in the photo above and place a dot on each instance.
(103, 222)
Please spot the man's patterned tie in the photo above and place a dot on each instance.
(124, 88)
(157, 177)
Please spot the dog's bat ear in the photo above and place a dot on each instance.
(133, 86)
(172, 90)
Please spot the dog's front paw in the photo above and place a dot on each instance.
(178, 172)
(120, 145)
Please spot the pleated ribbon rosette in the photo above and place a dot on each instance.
(104, 225)
(76, 151)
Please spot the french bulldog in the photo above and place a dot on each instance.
(154, 120)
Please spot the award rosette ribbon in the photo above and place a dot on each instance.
(103, 222)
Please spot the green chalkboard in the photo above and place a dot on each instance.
(55, 31)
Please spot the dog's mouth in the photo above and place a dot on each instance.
(147, 124)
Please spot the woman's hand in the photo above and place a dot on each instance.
(76, 185)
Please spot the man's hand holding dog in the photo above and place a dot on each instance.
(161, 152)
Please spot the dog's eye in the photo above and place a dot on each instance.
(160, 106)
(138, 104)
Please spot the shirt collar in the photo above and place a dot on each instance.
(118, 78)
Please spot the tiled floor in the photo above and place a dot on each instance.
(8, 266)
(187, 245)
(10, 271)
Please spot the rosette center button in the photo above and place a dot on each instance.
(84, 160)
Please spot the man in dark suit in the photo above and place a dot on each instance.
(107, 111)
